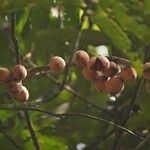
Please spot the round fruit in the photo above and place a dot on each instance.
(113, 70)
(90, 75)
(99, 63)
(19, 73)
(128, 74)
(15, 87)
(146, 73)
(147, 86)
(114, 85)
(23, 95)
(100, 84)
(4, 74)
(57, 64)
(81, 58)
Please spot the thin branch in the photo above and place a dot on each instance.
(98, 140)
(8, 137)
(124, 122)
(21, 107)
(55, 93)
(143, 143)
(32, 132)
(16, 46)
(14, 37)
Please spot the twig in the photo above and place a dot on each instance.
(24, 107)
(16, 46)
(124, 122)
(98, 140)
(8, 137)
(67, 87)
(30, 127)
(140, 145)
(14, 37)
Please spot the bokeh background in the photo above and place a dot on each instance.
(51, 27)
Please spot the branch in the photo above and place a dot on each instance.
(14, 37)
(30, 127)
(67, 87)
(16, 46)
(144, 142)
(27, 107)
(124, 122)
(8, 137)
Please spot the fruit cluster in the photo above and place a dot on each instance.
(14, 80)
(107, 75)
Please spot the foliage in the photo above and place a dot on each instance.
(48, 28)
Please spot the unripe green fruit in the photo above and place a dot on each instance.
(23, 95)
(146, 73)
(113, 70)
(90, 75)
(81, 58)
(99, 63)
(128, 74)
(19, 73)
(114, 85)
(4, 74)
(57, 64)
(15, 87)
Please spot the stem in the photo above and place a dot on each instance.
(16, 46)
(14, 37)
(30, 127)
(30, 108)
(8, 137)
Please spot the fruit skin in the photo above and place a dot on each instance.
(90, 75)
(128, 74)
(80, 58)
(15, 87)
(4, 74)
(57, 64)
(147, 87)
(19, 73)
(113, 70)
(99, 63)
(114, 85)
(23, 95)
(146, 72)
(100, 84)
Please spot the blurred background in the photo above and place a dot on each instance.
(55, 27)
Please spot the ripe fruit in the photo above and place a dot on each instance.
(100, 84)
(99, 63)
(114, 85)
(15, 87)
(19, 73)
(57, 64)
(147, 86)
(23, 95)
(146, 72)
(128, 74)
(113, 70)
(4, 74)
(90, 75)
(81, 58)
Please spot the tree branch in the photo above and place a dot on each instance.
(14, 37)
(8, 137)
(28, 107)
(32, 132)
(16, 46)
(124, 122)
